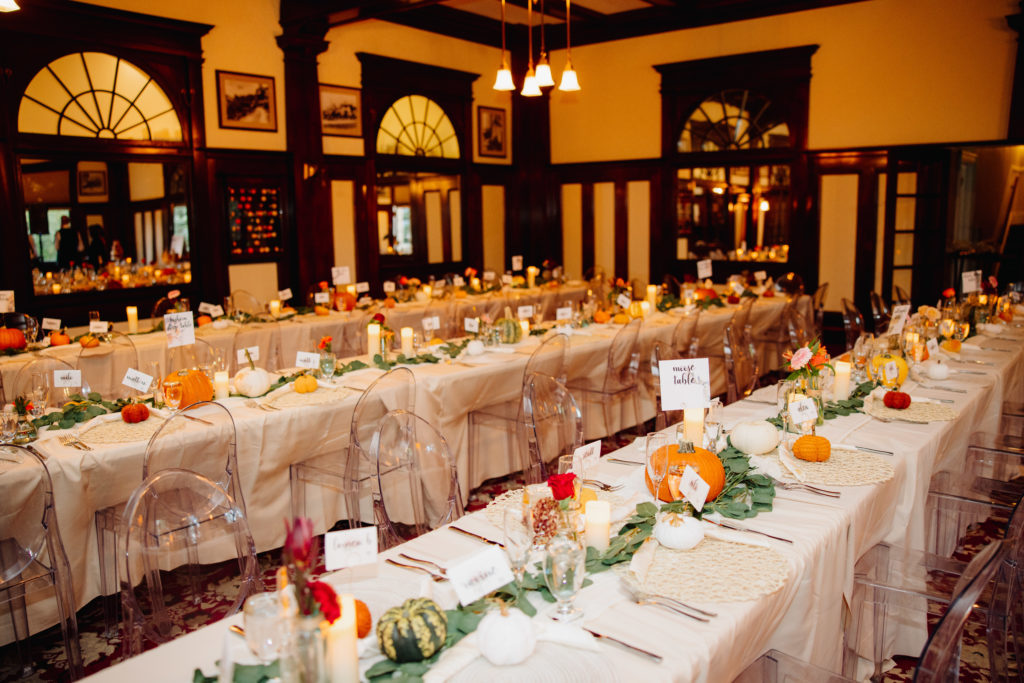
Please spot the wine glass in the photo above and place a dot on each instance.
(263, 631)
(8, 424)
(713, 425)
(517, 522)
(40, 393)
(861, 351)
(656, 458)
(962, 330)
(173, 393)
(328, 364)
(565, 566)
(947, 327)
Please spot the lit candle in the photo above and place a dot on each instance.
(49, 275)
(983, 299)
(598, 524)
(372, 339)
(407, 349)
(342, 645)
(275, 307)
(220, 383)
(56, 288)
(188, 276)
(841, 385)
(531, 276)
(128, 260)
(652, 295)
(693, 425)
(428, 290)
(474, 283)
(351, 289)
(525, 325)
(133, 318)
(645, 308)
(124, 279)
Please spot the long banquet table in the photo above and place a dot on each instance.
(803, 618)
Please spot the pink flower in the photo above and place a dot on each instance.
(298, 542)
(800, 358)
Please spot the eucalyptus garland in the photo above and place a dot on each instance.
(79, 409)
(834, 409)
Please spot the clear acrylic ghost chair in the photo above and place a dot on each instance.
(880, 313)
(853, 322)
(103, 367)
(620, 381)
(990, 469)
(548, 359)
(818, 308)
(161, 308)
(684, 337)
(245, 302)
(32, 556)
(179, 443)
(776, 334)
(741, 319)
(1012, 421)
(740, 364)
(45, 367)
(798, 329)
(265, 337)
(349, 474)
(775, 667)
(417, 484)
(177, 517)
(900, 295)
(661, 352)
(553, 424)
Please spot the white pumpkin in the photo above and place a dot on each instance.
(937, 370)
(475, 348)
(506, 637)
(253, 382)
(676, 531)
(755, 438)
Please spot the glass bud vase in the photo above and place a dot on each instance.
(808, 386)
(305, 659)
(26, 432)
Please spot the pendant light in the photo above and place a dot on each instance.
(569, 81)
(530, 87)
(503, 81)
(544, 78)
(8, 6)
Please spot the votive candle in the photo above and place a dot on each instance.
(428, 290)
(188, 276)
(220, 384)
(351, 289)
(342, 644)
(56, 288)
(645, 308)
(597, 529)
(525, 325)
(373, 339)
(531, 276)
(652, 295)
(407, 349)
(275, 307)
(474, 283)
(841, 385)
(693, 425)
(133, 318)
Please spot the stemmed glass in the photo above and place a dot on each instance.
(263, 631)
(565, 566)
(173, 393)
(962, 330)
(861, 351)
(713, 425)
(656, 458)
(40, 393)
(8, 424)
(517, 521)
(328, 365)
(947, 328)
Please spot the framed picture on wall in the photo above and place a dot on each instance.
(340, 111)
(246, 101)
(92, 183)
(492, 132)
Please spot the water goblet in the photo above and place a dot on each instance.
(517, 522)
(565, 566)
(713, 425)
(962, 330)
(656, 458)
(263, 631)
(328, 364)
(8, 424)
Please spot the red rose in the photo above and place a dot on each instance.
(327, 599)
(949, 292)
(403, 281)
(323, 285)
(378, 318)
(562, 485)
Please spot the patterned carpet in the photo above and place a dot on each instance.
(99, 651)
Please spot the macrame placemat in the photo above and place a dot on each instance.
(843, 468)
(292, 399)
(918, 411)
(113, 429)
(713, 571)
(495, 510)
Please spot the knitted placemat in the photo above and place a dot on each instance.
(116, 430)
(918, 411)
(292, 399)
(845, 467)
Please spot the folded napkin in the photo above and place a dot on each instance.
(991, 328)
(970, 345)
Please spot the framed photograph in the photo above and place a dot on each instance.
(92, 183)
(492, 132)
(341, 111)
(246, 101)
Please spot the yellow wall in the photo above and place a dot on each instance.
(886, 72)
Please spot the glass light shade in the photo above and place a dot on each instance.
(569, 82)
(504, 80)
(8, 6)
(530, 87)
(544, 78)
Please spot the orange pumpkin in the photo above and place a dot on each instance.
(389, 302)
(203, 320)
(601, 317)
(812, 448)
(348, 301)
(59, 338)
(88, 341)
(706, 463)
(11, 338)
(322, 310)
(195, 385)
(135, 412)
(704, 293)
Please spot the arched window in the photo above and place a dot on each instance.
(417, 126)
(94, 94)
(733, 120)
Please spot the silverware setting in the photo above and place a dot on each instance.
(971, 372)
(235, 628)
(873, 450)
(261, 406)
(626, 645)
(995, 348)
(476, 536)
(726, 525)
(620, 461)
(440, 570)
(800, 486)
(602, 485)
(74, 442)
(898, 419)
(938, 388)
(435, 577)
(642, 597)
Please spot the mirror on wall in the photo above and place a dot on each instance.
(96, 224)
(419, 217)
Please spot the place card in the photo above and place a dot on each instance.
(173, 294)
(563, 313)
(483, 573)
(431, 323)
(488, 275)
(389, 286)
(7, 301)
(178, 244)
(350, 548)
(933, 347)
(804, 410)
(704, 268)
(693, 488)
(205, 307)
(63, 379)
(322, 298)
(254, 353)
(890, 371)
(623, 300)
(586, 457)
(140, 381)
(216, 311)
(900, 314)
(737, 287)
(51, 323)
(760, 276)
(284, 294)
(307, 359)
(459, 281)
(180, 329)
(506, 279)
(341, 275)
(524, 312)
(364, 300)
(362, 287)
(970, 281)
(471, 325)
(98, 327)
(685, 383)
(517, 262)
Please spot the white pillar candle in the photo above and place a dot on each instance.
(220, 384)
(133, 318)
(652, 295)
(693, 425)
(597, 530)
(342, 644)
(188, 276)
(372, 339)
(124, 279)
(841, 385)
(531, 276)
(474, 284)
(428, 290)
(525, 325)
(645, 308)
(56, 288)
(407, 349)
(275, 307)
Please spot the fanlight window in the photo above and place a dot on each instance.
(97, 95)
(732, 120)
(417, 126)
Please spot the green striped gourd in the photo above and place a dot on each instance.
(508, 328)
(413, 631)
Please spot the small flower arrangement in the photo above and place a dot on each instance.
(299, 554)
(807, 361)
(325, 344)
(618, 286)
(564, 488)
(22, 406)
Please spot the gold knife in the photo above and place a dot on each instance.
(634, 648)
(476, 536)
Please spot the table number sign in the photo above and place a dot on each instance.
(481, 574)
(737, 287)
(623, 300)
(585, 457)
(459, 281)
(180, 329)
(341, 275)
(524, 312)
(694, 488)
(488, 276)
(970, 281)
(284, 294)
(472, 325)
(899, 318)
(517, 262)
(704, 268)
(140, 381)
(254, 354)
(804, 410)
(307, 359)
(51, 323)
(563, 313)
(63, 379)
(389, 286)
(98, 327)
(350, 548)
(362, 287)
(432, 323)
(506, 279)
(685, 383)
(7, 301)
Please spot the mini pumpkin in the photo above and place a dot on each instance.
(812, 448)
(951, 345)
(59, 338)
(732, 299)
(897, 400)
(88, 341)
(678, 532)
(707, 464)
(755, 438)
(203, 320)
(321, 310)
(705, 293)
(364, 620)
(506, 637)
(413, 631)
(601, 317)
(135, 412)
(305, 384)
(769, 293)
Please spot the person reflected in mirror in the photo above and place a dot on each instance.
(68, 244)
(96, 252)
